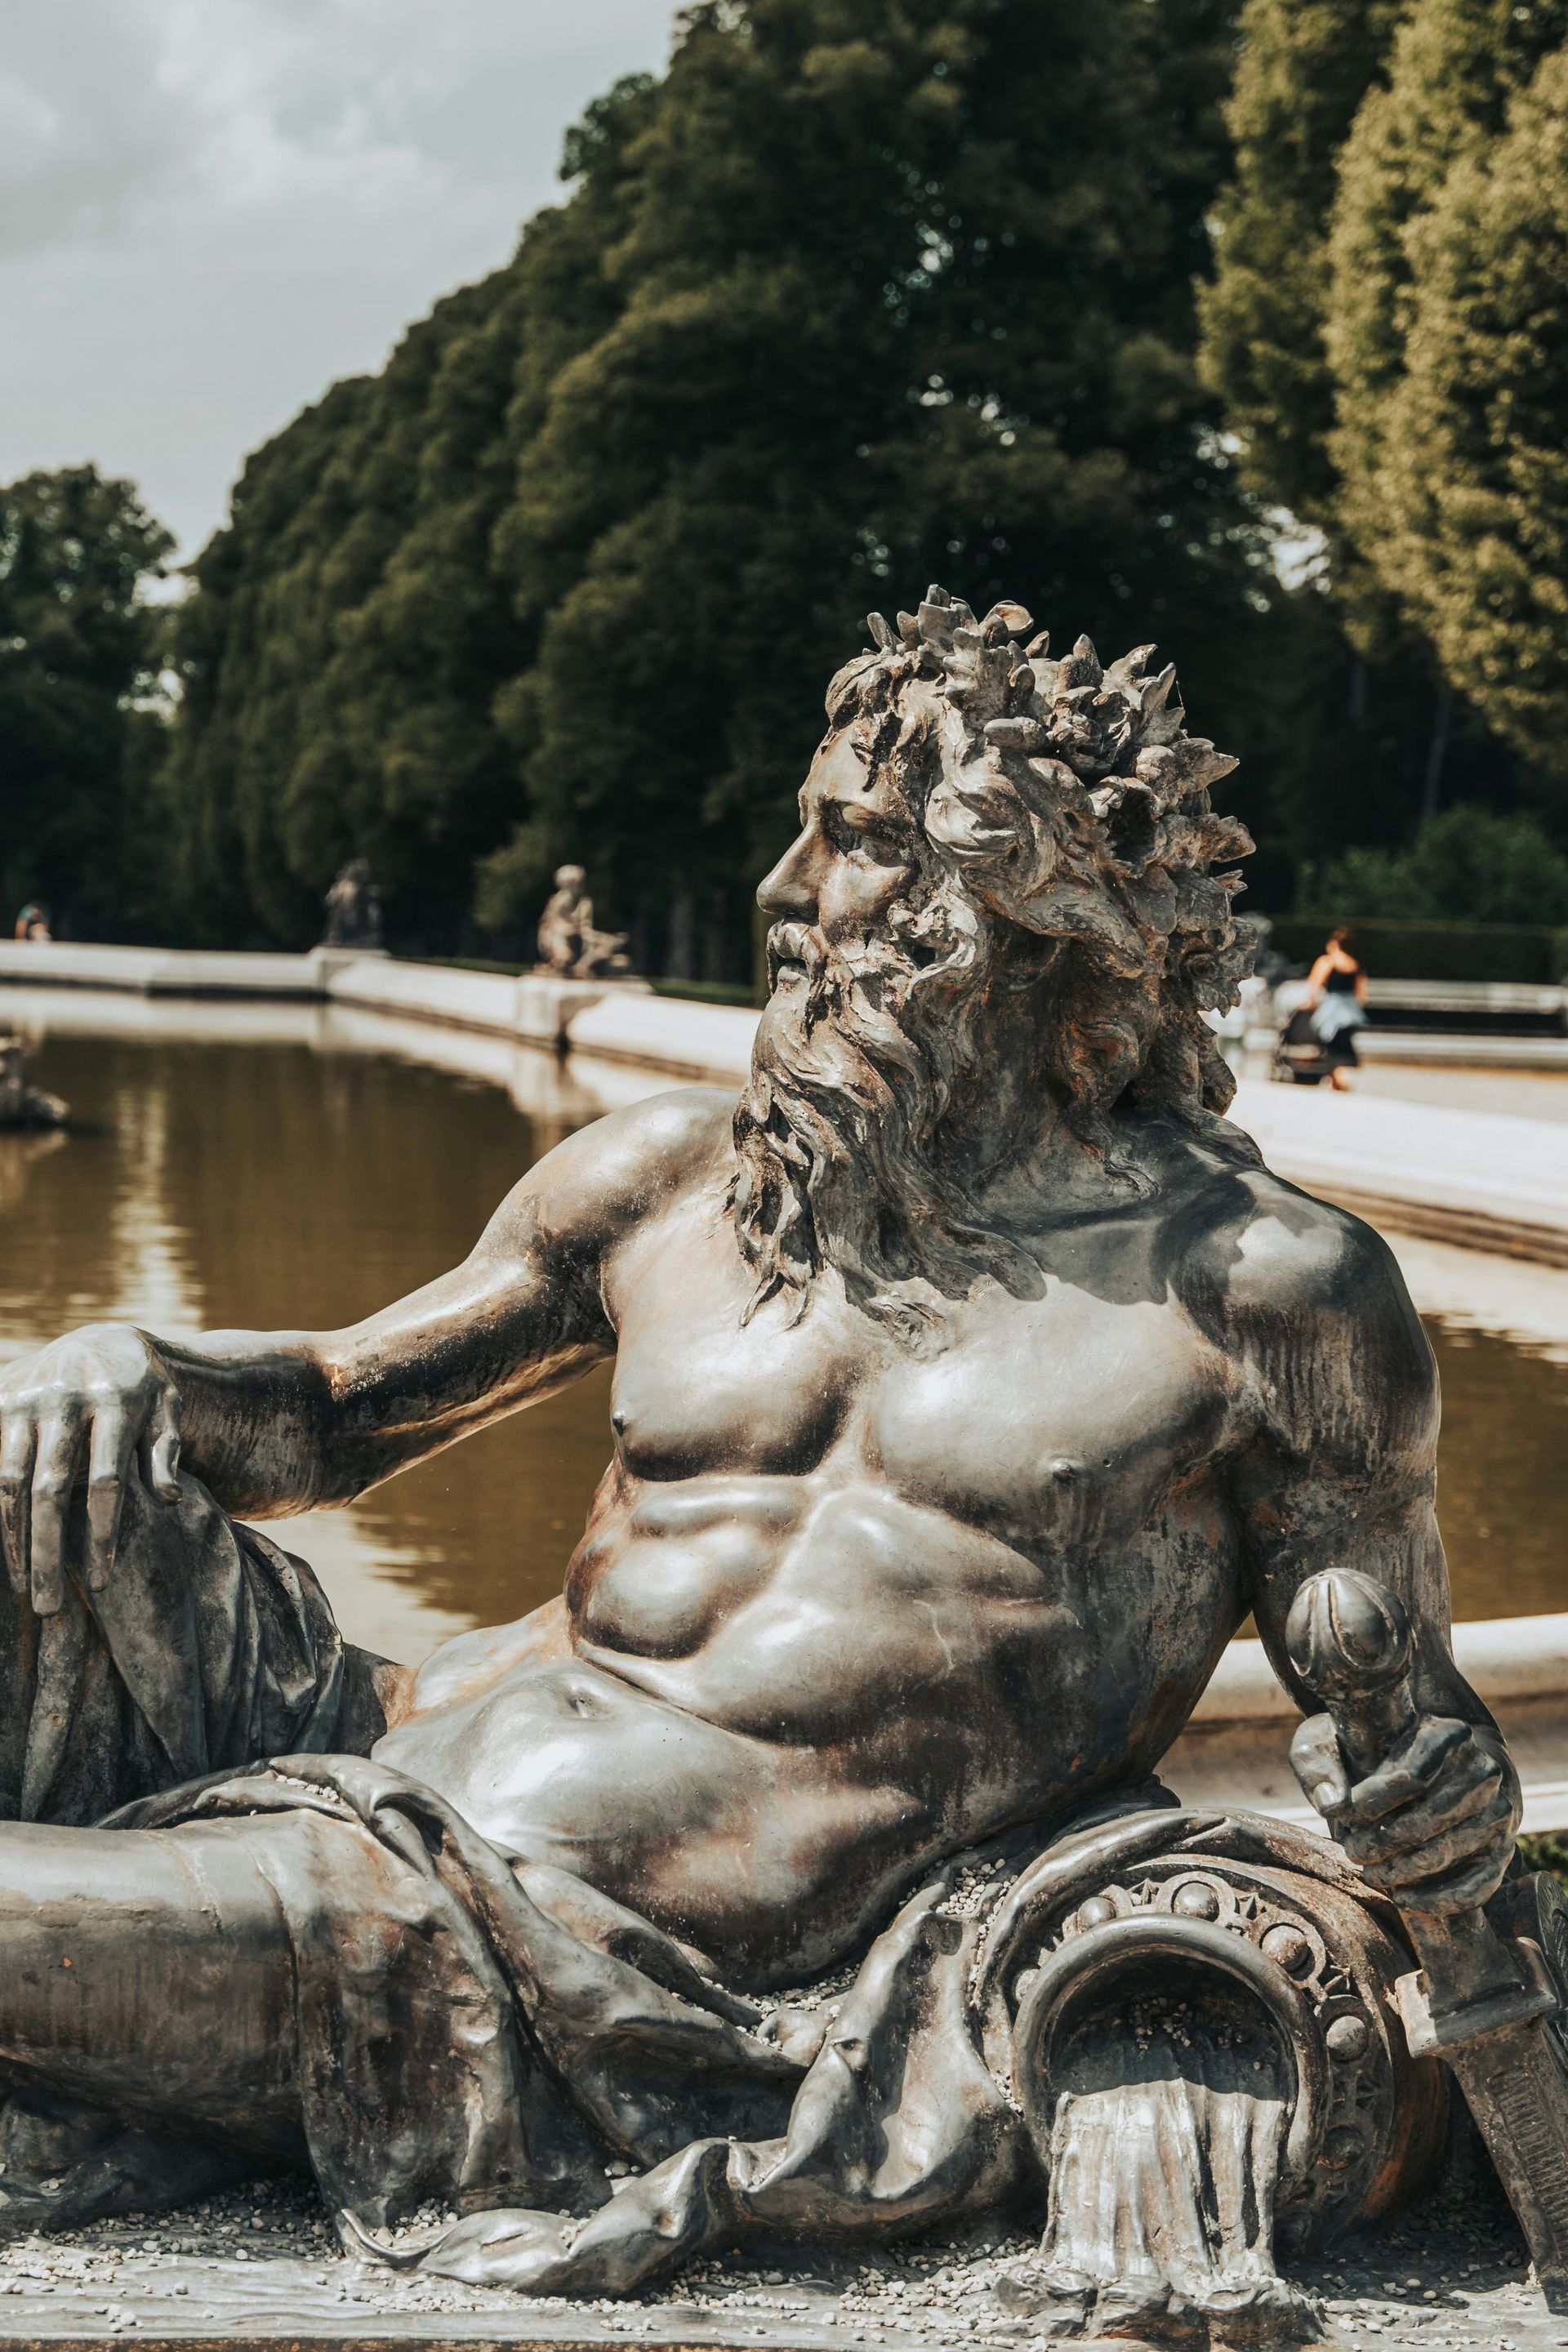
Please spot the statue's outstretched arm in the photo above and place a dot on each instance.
(274, 1422)
(1342, 1474)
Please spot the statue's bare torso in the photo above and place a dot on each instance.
(843, 1604)
(846, 1602)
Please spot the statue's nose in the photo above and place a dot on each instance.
(788, 890)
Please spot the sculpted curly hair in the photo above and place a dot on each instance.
(1052, 799)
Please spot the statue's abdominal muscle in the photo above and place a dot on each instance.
(932, 1627)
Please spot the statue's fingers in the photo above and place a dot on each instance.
(161, 1452)
(108, 1464)
(1319, 1765)
(1408, 1775)
(1460, 1890)
(1459, 1798)
(54, 1474)
(18, 1446)
(1472, 1845)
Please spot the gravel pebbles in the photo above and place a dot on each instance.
(264, 2262)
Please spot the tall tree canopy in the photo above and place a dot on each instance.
(79, 649)
(1301, 77)
(862, 293)
(1451, 342)
(1388, 329)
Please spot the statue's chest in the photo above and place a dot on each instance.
(1068, 1416)
(1064, 1414)
(700, 1386)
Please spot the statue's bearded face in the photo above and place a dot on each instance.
(879, 964)
(857, 854)
(981, 824)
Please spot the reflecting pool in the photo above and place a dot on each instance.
(265, 1166)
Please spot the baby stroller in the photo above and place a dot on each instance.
(1300, 1056)
(1318, 1039)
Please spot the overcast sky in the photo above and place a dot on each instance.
(211, 208)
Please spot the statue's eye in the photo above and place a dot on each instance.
(861, 840)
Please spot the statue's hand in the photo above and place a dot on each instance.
(101, 1405)
(1433, 1826)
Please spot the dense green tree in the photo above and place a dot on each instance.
(1301, 75)
(863, 292)
(1471, 488)
(1454, 67)
(80, 648)
(1468, 865)
(906, 294)
(1358, 128)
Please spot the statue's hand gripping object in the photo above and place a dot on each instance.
(1489, 1998)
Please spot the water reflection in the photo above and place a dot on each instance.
(266, 1166)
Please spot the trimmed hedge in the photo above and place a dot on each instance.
(1405, 949)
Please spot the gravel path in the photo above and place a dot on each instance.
(264, 2262)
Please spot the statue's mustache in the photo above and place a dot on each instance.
(800, 944)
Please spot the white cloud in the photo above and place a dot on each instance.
(210, 208)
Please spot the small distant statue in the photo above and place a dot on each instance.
(33, 924)
(569, 945)
(23, 1107)
(353, 910)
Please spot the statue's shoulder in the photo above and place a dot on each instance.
(633, 1161)
(1310, 1295)
(1272, 1258)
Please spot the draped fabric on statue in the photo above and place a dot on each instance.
(571, 2075)
(509, 2044)
(497, 2038)
(207, 1647)
(580, 2095)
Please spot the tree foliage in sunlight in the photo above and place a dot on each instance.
(1456, 454)
(856, 297)
(1387, 328)
(80, 649)
(1301, 77)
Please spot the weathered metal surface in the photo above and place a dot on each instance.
(972, 1381)
(1490, 2003)
(1210, 2000)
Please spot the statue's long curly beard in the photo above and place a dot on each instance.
(838, 1134)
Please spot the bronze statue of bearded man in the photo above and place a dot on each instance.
(973, 1381)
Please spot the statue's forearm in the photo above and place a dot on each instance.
(274, 1422)
(257, 1422)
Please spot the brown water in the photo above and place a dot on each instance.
(268, 1171)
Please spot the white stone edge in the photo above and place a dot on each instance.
(1501, 1658)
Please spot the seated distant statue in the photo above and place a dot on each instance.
(22, 1105)
(569, 945)
(353, 910)
(973, 1383)
(33, 923)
